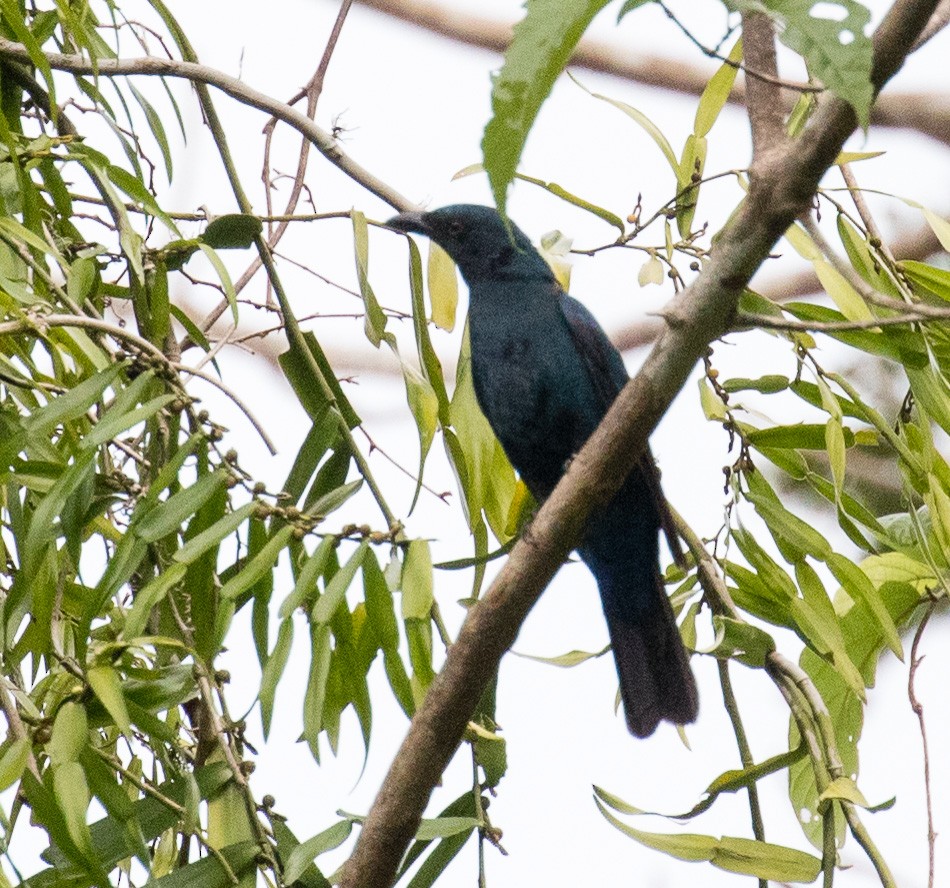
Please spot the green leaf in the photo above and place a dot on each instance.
(304, 854)
(107, 686)
(746, 856)
(768, 385)
(72, 795)
(787, 528)
(374, 320)
(272, 672)
(233, 231)
(802, 436)
(716, 93)
(651, 129)
(939, 226)
(565, 661)
(169, 516)
(416, 582)
(262, 563)
(305, 589)
(114, 423)
(928, 277)
(443, 827)
(574, 200)
(213, 535)
(335, 591)
(862, 260)
(135, 189)
(690, 171)
(315, 695)
(741, 641)
(846, 789)
(150, 595)
(424, 406)
(836, 49)
(13, 762)
(629, 6)
(540, 47)
(849, 302)
(16, 21)
(71, 404)
(226, 283)
(860, 588)
(209, 873)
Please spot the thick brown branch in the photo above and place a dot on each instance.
(763, 97)
(699, 314)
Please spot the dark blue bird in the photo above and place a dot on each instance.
(545, 374)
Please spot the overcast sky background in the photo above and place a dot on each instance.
(414, 106)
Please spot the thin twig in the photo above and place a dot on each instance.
(16, 727)
(217, 383)
(918, 709)
(765, 74)
(746, 319)
(745, 753)
(152, 66)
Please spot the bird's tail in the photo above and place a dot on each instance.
(622, 551)
(656, 683)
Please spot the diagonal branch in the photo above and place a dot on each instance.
(698, 315)
(763, 97)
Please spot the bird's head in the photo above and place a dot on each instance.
(478, 241)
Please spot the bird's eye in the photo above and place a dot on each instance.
(456, 228)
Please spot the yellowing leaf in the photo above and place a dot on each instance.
(443, 287)
(651, 272)
(844, 296)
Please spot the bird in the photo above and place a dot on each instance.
(545, 374)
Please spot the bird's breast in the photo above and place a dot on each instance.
(526, 376)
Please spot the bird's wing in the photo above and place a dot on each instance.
(603, 362)
(609, 375)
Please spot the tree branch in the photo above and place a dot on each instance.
(763, 97)
(700, 313)
(153, 66)
(928, 114)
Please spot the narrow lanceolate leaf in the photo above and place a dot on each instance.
(211, 536)
(651, 129)
(746, 856)
(417, 581)
(224, 276)
(107, 685)
(443, 287)
(262, 563)
(70, 404)
(717, 91)
(303, 855)
(375, 320)
(169, 516)
(273, 670)
(858, 585)
(336, 589)
(114, 424)
(540, 47)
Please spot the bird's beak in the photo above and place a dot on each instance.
(409, 222)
